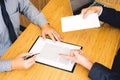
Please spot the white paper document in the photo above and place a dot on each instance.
(77, 22)
(49, 53)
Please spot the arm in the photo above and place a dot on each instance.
(20, 63)
(97, 71)
(110, 16)
(31, 12)
(17, 63)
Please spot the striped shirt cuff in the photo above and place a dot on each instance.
(5, 65)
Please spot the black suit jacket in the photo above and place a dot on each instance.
(98, 71)
(110, 16)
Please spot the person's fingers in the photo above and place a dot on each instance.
(48, 30)
(57, 36)
(43, 35)
(76, 53)
(28, 63)
(83, 11)
(74, 50)
(31, 60)
(62, 54)
(54, 36)
(81, 52)
(31, 63)
(87, 11)
(51, 36)
(65, 55)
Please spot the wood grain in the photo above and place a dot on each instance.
(99, 45)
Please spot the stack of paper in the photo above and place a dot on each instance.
(77, 22)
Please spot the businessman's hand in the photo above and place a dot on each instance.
(77, 56)
(93, 9)
(48, 30)
(19, 63)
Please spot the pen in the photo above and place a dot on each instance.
(27, 57)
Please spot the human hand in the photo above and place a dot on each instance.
(77, 56)
(93, 9)
(48, 30)
(19, 62)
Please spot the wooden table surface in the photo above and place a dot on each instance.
(99, 44)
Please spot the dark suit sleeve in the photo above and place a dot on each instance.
(110, 16)
(100, 72)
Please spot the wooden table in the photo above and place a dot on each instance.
(98, 44)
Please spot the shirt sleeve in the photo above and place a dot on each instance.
(32, 13)
(110, 16)
(5, 65)
(100, 72)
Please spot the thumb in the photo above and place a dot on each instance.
(77, 54)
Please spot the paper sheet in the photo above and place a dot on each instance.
(49, 53)
(77, 22)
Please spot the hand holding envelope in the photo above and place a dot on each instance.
(77, 22)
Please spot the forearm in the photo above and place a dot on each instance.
(89, 65)
(110, 16)
(32, 13)
(86, 63)
(5, 65)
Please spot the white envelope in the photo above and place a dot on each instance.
(77, 22)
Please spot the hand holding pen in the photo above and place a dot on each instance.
(23, 61)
